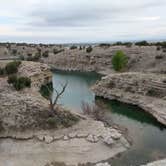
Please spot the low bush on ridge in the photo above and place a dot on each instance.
(12, 67)
(19, 83)
(89, 49)
(119, 61)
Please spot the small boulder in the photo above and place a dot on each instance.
(108, 140)
(65, 138)
(103, 164)
(92, 138)
(40, 137)
(82, 135)
(58, 137)
(48, 139)
(116, 135)
(72, 135)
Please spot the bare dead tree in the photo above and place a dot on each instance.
(93, 111)
(53, 101)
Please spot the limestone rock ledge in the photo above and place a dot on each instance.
(81, 143)
(38, 72)
(157, 163)
(146, 90)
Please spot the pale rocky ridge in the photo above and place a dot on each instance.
(24, 109)
(141, 58)
(148, 91)
(99, 60)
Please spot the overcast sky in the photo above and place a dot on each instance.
(67, 21)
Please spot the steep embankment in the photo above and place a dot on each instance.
(20, 110)
(148, 91)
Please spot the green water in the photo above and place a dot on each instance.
(77, 90)
(147, 135)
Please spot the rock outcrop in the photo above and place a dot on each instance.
(20, 110)
(69, 145)
(157, 163)
(38, 72)
(147, 90)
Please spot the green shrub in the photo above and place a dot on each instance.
(164, 50)
(73, 47)
(29, 58)
(45, 54)
(19, 82)
(29, 54)
(2, 71)
(37, 56)
(119, 43)
(12, 79)
(142, 43)
(52, 122)
(127, 44)
(1, 126)
(12, 67)
(89, 49)
(162, 44)
(119, 61)
(56, 51)
(62, 119)
(45, 90)
(158, 48)
(21, 57)
(25, 81)
(153, 92)
(14, 52)
(104, 45)
(159, 56)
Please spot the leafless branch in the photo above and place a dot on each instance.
(93, 111)
(58, 94)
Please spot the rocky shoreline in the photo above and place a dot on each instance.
(135, 88)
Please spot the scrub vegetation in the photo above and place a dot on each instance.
(119, 61)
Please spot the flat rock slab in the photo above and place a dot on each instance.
(68, 148)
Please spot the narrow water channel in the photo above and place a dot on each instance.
(148, 136)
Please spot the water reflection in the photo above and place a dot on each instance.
(130, 111)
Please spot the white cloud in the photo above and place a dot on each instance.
(81, 21)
